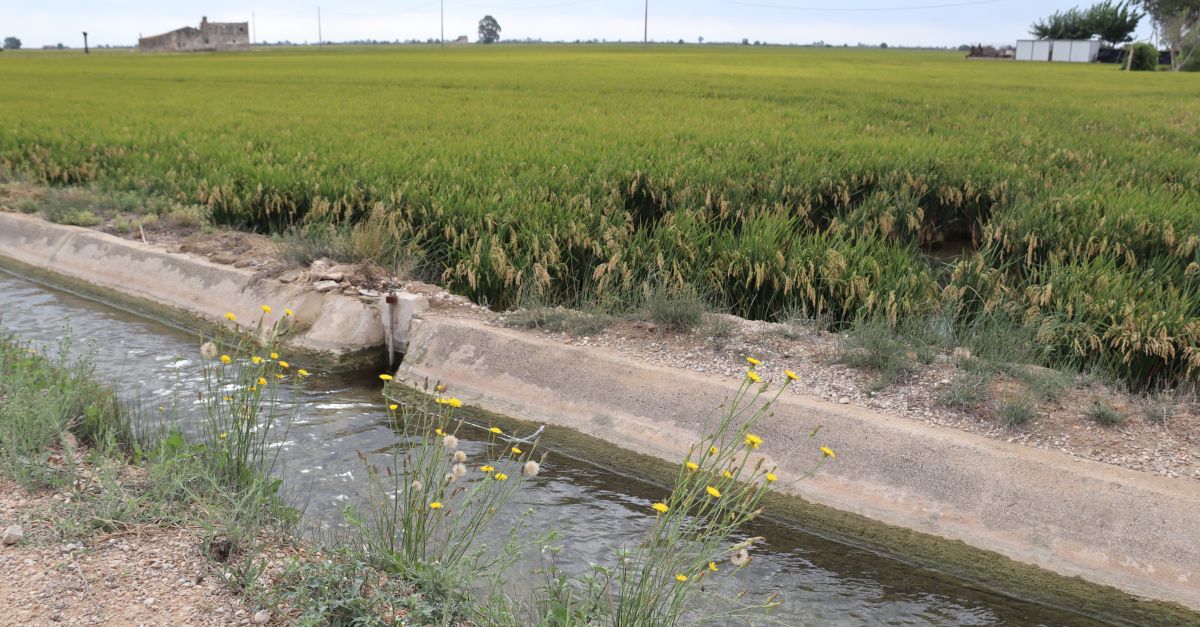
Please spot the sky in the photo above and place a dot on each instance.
(896, 22)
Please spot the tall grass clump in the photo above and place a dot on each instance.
(429, 505)
(223, 468)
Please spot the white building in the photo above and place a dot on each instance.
(1058, 50)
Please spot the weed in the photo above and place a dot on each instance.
(342, 590)
(719, 330)
(1015, 412)
(559, 320)
(1157, 408)
(965, 391)
(680, 310)
(891, 353)
(1104, 414)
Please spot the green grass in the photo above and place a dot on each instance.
(774, 181)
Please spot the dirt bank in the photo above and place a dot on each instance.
(143, 575)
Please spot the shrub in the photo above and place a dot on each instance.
(1145, 58)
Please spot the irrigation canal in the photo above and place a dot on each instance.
(593, 509)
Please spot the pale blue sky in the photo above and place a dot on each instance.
(898, 22)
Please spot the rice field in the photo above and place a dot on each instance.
(832, 183)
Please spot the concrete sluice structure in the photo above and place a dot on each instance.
(210, 37)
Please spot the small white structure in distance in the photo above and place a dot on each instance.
(1058, 50)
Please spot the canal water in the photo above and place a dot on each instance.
(593, 510)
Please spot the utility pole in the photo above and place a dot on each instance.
(443, 3)
(646, 25)
(320, 39)
(85, 46)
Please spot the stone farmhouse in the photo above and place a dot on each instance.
(211, 36)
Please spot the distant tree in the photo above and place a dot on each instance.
(12, 43)
(489, 30)
(745, 42)
(701, 40)
(1111, 22)
(60, 46)
(1114, 23)
(1178, 22)
(1069, 24)
(883, 45)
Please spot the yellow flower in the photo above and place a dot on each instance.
(486, 469)
(230, 317)
(284, 364)
(223, 435)
(771, 478)
(256, 360)
(278, 376)
(661, 508)
(253, 388)
(712, 566)
(228, 398)
(753, 361)
(712, 450)
(302, 372)
(753, 441)
(791, 375)
(266, 308)
(681, 578)
(713, 492)
(500, 476)
(516, 451)
(274, 355)
(828, 452)
(435, 505)
(454, 402)
(287, 312)
(439, 431)
(225, 359)
(496, 430)
(692, 466)
(262, 381)
(753, 376)
(393, 406)
(385, 377)
(727, 474)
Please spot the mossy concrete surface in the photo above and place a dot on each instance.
(331, 329)
(1104, 524)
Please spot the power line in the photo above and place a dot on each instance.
(918, 7)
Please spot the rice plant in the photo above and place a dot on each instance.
(589, 173)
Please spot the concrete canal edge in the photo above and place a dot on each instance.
(994, 512)
(337, 331)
